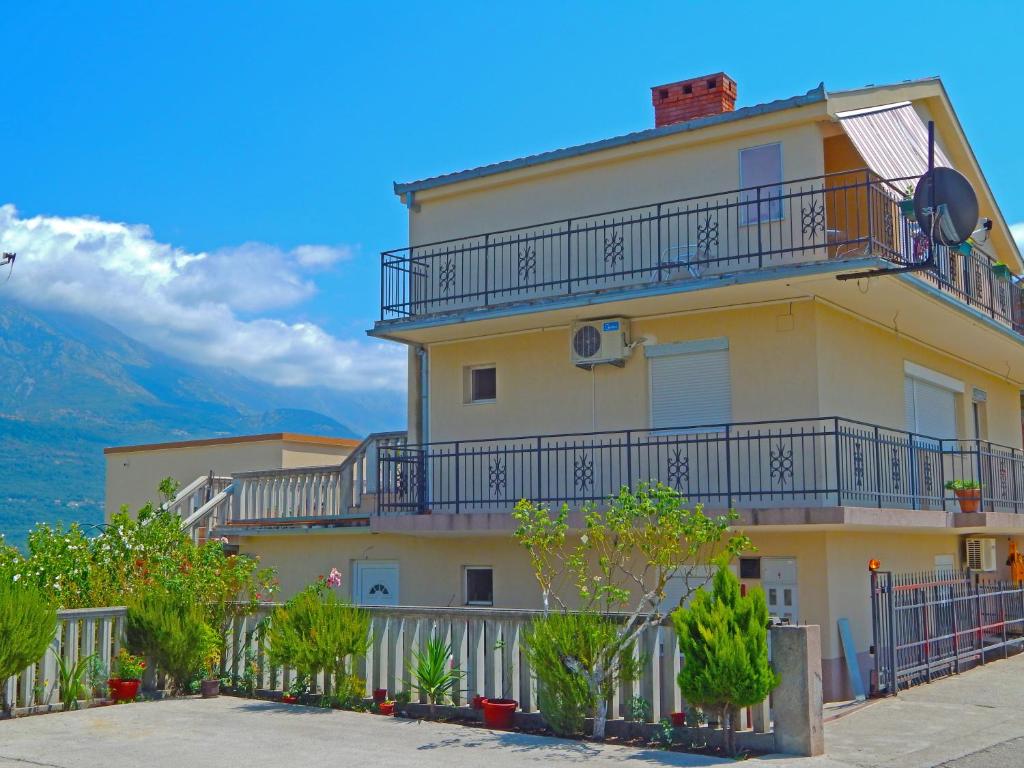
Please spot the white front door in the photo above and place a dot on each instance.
(376, 582)
(778, 578)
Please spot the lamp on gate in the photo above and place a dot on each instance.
(874, 565)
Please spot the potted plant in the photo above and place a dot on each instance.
(968, 493)
(380, 695)
(678, 719)
(435, 677)
(478, 702)
(1000, 270)
(124, 686)
(386, 708)
(907, 204)
(299, 687)
(209, 687)
(401, 699)
(499, 713)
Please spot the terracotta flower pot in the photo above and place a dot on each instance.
(123, 690)
(678, 719)
(478, 702)
(208, 689)
(289, 699)
(387, 708)
(380, 695)
(969, 498)
(498, 713)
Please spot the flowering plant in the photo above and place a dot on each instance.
(129, 667)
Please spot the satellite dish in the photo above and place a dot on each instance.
(955, 203)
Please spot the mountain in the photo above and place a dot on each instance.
(71, 386)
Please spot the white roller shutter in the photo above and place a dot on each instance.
(690, 385)
(930, 409)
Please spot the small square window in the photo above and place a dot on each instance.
(483, 385)
(479, 586)
(750, 567)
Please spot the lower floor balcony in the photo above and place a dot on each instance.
(815, 462)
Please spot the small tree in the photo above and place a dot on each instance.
(316, 630)
(621, 561)
(723, 637)
(27, 624)
(435, 677)
(172, 632)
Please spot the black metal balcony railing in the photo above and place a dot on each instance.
(805, 462)
(835, 216)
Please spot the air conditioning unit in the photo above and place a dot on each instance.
(600, 341)
(980, 554)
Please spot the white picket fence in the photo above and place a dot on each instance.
(487, 647)
(80, 633)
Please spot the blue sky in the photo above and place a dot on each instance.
(283, 125)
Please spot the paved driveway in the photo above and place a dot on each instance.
(972, 721)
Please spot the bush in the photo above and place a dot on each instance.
(723, 637)
(27, 624)
(316, 630)
(435, 677)
(563, 649)
(172, 632)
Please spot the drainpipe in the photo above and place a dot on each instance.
(424, 363)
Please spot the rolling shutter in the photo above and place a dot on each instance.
(690, 384)
(930, 409)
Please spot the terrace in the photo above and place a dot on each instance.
(823, 220)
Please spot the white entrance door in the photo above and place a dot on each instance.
(778, 577)
(376, 582)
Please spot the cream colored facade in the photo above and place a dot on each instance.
(135, 471)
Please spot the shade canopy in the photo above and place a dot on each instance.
(892, 139)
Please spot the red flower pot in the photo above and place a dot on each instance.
(123, 690)
(478, 702)
(498, 713)
(380, 695)
(287, 699)
(969, 498)
(678, 719)
(387, 708)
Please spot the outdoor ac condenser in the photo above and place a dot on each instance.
(980, 554)
(600, 341)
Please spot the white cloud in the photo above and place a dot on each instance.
(189, 304)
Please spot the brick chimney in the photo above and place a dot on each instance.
(690, 99)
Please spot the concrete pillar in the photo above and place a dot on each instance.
(797, 702)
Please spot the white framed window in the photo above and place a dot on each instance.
(480, 384)
(478, 584)
(690, 384)
(761, 177)
(930, 401)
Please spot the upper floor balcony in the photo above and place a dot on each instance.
(767, 231)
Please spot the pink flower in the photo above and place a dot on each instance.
(334, 579)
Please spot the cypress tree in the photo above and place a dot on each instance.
(27, 625)
(723, 637)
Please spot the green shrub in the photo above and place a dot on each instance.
(171, 631)
(723, 637)
(315, 631)
(27, 624)
(563, 649)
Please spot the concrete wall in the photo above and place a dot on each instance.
(132, 475)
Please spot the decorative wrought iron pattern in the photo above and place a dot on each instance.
(926, 471)
(614, 248)
(894, 465)
(812, 218)
(678, 469)
(858, 464)
(583, 471)
(527, 263)
(1004, 485)
(400, 485)
(707, 234)
(889, 227)
(782, 464)
(496, 476)
(446, 277)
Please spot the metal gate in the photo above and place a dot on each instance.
(935, 623)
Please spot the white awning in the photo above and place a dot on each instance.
(892, 139)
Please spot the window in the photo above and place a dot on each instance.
(479, 585)
(750, 567)
(481, 384)
(930, 402)
(761, 177)
(690, 384)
